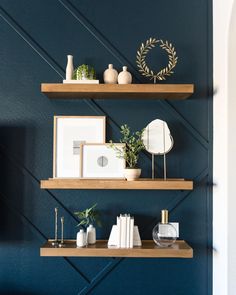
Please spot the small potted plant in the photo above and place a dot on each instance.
(87, 219)
(133, 146)
(84, 72)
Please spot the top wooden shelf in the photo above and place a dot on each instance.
(109, 91)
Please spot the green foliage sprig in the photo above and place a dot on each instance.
(133, 146)
(88, 216)
(84, 72)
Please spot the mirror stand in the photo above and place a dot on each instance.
(153, 166)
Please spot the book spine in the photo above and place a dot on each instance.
(131, 240)
(118, 232)
(127, 231)
(123, 231)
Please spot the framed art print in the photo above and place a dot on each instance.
(69, 133)
(100, 161)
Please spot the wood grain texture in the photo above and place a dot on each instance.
(148, 249)
(141, 184)
(135, 91)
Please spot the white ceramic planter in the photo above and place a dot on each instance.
(132, 174)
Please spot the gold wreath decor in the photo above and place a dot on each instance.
(142, 53)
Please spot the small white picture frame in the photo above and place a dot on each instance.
(101, 161)
(69, 133)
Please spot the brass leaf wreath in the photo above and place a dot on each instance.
(142, 53)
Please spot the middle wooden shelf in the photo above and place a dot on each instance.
(180, 249)
(140, 184)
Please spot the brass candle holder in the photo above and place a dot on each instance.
(55, 243)
(62, 243)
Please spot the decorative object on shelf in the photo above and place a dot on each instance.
(91, 235)
(164, 234)
(84, 74)
(142, 53)
(69, 67)
(110, 75)
(81, 239)
(130, 152)
(87, 218)
(157, 141)
(69, 133)
(99, 161)
(62, 244)
(124, 77)
(55, 242)
(124, 234)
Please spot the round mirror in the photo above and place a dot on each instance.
(157, 138)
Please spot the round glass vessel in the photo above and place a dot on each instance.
(164, 234)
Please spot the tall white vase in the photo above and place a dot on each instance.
(69, 67)
(91, 234)
(81, 239)
(124, 77)
(110, 75)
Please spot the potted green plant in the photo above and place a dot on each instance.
(133, 146)
(84, 72)
(87, 219)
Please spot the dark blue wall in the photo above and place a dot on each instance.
(35, 37)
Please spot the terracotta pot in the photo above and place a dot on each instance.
(132, 174)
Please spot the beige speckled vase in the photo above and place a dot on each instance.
(124, 77)
(110, 75)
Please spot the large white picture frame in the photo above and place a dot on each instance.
(101, 161)
(69, 133)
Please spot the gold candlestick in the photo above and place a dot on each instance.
(55, 242)
(62, 244)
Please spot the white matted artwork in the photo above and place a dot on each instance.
(69, 133)
(101, 161)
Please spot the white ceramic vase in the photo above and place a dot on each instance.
(124, 77)
(110, 75)
(81, 239)
(91, 235)
(69, 67)
(132, 174)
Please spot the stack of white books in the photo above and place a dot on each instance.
(124, 234)
(125, 231)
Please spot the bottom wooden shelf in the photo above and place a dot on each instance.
(148, 249)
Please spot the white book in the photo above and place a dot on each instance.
(118, 231)
(131, 236)
(127, 231)
(123, 231)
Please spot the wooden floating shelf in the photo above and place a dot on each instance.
(104, 91)
(148, 249)
(141, 184)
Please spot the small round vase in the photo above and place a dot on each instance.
(132, 174)
(124, 77)
(110, 75)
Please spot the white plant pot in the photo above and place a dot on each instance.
(132, 174)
